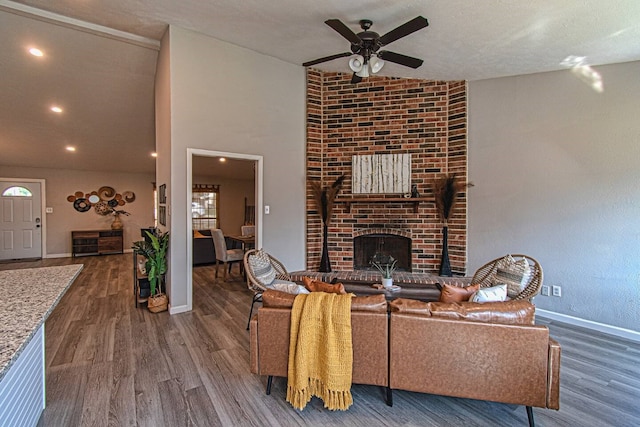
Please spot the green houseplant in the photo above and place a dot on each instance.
(387, 271)
(155, 252)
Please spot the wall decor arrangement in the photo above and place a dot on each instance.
(162, 208)
(381, 174)
(105, 200)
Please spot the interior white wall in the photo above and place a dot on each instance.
(227, 98)
(557, 176)
(61, 183)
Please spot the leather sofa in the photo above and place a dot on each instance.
(485, 351)
(269, 330)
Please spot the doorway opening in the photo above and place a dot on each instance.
(235, 180)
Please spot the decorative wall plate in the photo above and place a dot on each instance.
(81, 204)
(102, 208)
(106, 193)
(129, 196)
(94, 198)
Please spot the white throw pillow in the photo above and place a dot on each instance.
(492, 294)
(260, 265)
(288, 287)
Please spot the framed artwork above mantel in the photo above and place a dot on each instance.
(381, 174)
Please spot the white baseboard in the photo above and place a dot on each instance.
(589, 324)
(178, 309)
(68, 255)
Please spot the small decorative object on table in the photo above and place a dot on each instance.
(117, 223)
(387, 270)
(414, 191)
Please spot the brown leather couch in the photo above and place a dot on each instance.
(486, 351)
(369, 326)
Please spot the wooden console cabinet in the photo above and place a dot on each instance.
(96, 242)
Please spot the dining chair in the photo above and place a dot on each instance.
(248, 230)
(224, 255)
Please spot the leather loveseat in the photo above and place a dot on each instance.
(486, 351)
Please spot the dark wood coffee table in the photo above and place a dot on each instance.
(421, 286)
(419, 291)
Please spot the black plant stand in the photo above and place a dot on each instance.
(445, 265)
(325, 264)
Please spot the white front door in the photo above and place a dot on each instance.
(20, 220)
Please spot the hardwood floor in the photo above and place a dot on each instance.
(110, 364)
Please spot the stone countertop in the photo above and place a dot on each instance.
(27, 297)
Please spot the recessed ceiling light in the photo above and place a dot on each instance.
(70, 148)
(154, 154)
(56, 109)
(222, 159)
(36, 52)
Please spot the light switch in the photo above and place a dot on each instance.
(266, 209)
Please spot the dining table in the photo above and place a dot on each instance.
(245, 242)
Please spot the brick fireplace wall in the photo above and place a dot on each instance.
(383, 115)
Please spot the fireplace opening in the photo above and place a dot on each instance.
(380, 248)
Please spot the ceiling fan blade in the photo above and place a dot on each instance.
(404, 30)
(327, 58)
(344, 31)
(401, 59)
(355, 79)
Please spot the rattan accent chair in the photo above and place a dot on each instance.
(485, 274)
(255, 285)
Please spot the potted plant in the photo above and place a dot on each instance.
(387, 270)
(155, 252)
(117, 223)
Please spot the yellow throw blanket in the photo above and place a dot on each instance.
(320, 351)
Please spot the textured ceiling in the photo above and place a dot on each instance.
(107, 84)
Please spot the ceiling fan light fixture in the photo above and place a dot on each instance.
(376, 64)
(356, 63)
(364, 71)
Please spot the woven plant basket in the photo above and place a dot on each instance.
(158, 303)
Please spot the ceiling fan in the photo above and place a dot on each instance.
(365, 53)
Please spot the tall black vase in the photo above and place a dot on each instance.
(445, 265)
(325, 264)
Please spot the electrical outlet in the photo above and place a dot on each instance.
(545, 290)
(557, 291)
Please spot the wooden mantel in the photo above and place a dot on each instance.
(395, 200)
